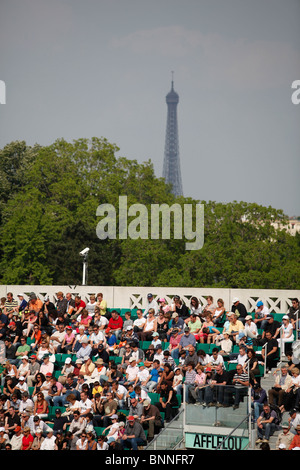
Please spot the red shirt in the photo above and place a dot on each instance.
(80, 304)
(116, 324)
(26, 441)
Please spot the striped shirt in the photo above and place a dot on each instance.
(243, 377)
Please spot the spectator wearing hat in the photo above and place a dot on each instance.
(16, 439)
(14, 332)
(85, 350)
(186, 340)
(163, 305)
(34, 367)
(174, 343)
(49, 441)
(285, 335)
(159, 355)
(113, 429)
(47, 366)
(37, 439)
(250, 328)
(295, 444)
(23, 303)
(239, 309)
(59, 421)
(134, 435)
(260, 315)
(21, 386)
(155, 341)
(151, 304)
(176, 323)
(285, 437)
(151, 419)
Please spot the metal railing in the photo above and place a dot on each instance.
(233, 430)
(153, 443)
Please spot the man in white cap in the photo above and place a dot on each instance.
(23, 303)
(49, 441)
(239, 309)
(285, 437)
(151, 303)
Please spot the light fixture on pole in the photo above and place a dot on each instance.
(84, 253)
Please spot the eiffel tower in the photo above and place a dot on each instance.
(171, 168)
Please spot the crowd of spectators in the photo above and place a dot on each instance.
(77, 375)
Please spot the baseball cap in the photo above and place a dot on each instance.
(130, 418)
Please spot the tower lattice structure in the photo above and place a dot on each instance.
(171, 167)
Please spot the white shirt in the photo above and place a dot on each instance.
(143, 375)
(132, 372)
(262, 313)
(48, 443)
(85, 405)
(139, 322)
(96, 338)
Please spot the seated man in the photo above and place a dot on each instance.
(241, 383)
(134, 435)
(151, 419)
(266, 423)
(168, 401)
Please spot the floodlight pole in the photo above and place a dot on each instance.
(84, 270)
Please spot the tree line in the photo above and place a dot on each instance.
(48, 201)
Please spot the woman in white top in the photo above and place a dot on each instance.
(82, 442)
(250, 327)
(195, 306)
(149, 327)
(218, 312)
(285, 334)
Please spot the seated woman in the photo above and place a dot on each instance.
(218, 313)
(208, 331)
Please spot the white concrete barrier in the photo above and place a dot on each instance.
(278, 301)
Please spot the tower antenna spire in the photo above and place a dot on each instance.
(171, 167)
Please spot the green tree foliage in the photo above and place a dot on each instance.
(48, 201)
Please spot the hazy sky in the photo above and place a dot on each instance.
(76, 68)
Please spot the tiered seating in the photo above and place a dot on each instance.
(60, 361)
